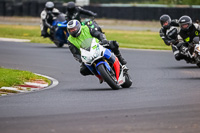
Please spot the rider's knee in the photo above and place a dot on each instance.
(44, 33)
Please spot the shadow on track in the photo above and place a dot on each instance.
(181, 67)
(99, 89)
(53, 47)
(193, 78)
(92, 89)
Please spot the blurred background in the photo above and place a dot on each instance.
(112, 9)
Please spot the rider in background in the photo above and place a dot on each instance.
(80, 33)
(47, 16)
(188, 31)
(169, 34)
(74, 12)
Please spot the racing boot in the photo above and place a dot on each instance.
(44, 32)
(114, 46)
(176, 52)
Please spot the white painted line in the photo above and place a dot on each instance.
(24, 89)
(36, 84)
(54, 81)
(34, 89)
(14, 40)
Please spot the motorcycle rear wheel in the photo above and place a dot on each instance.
(105, 74)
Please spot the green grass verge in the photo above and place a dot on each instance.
(137, 39)
(11, 77)
(23, 32)
(126, 39)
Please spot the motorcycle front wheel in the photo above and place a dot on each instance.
(108, 78)
(58, 44)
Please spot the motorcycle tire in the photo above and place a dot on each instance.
(128, 81)
(58, 44)
(198, 64)
(105, 74)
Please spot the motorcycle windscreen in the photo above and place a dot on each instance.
(87, 43)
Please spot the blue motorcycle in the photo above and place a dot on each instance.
(59, 33)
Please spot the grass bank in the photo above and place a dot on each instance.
(11, 77)
(127, 39)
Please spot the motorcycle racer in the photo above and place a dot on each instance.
(169, 34)
(188, 31)
(80, 33)
(47, 16)
(75, 12)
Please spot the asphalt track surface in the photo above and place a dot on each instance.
(164, 97)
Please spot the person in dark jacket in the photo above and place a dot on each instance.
(169, 34)
(79, 33)
(75, 12)
(47, 16)
(188, 31)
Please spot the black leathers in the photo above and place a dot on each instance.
(77, 12)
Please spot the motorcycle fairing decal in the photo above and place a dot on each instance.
(116, 66)
(196, 33)
(92, 26)
(62, 24)
(187, 39)
(105, 63)
(95, 46)
(107, 54)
